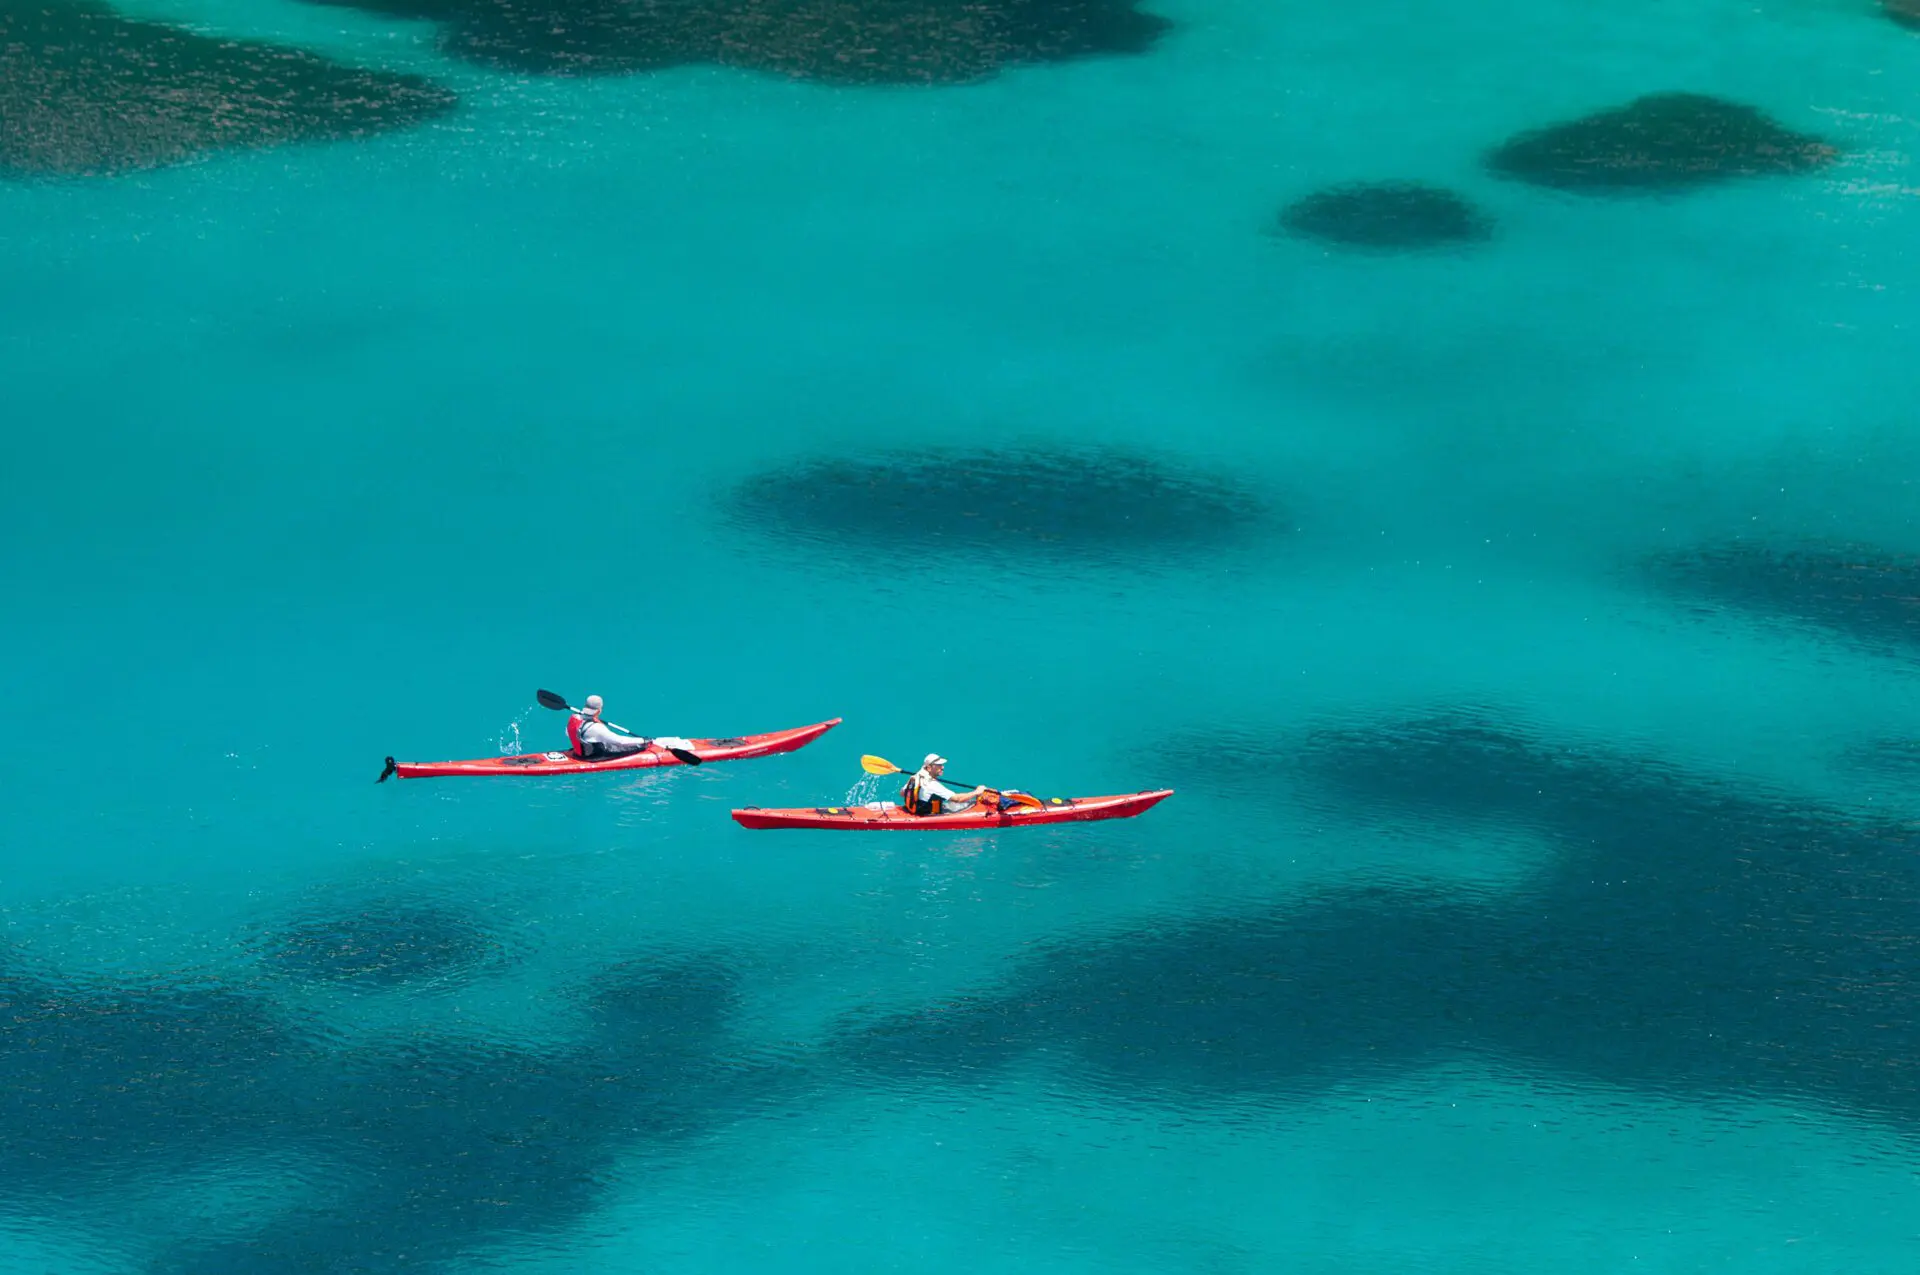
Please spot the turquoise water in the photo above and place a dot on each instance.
(326, 452)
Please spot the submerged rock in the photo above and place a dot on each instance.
(1661, 142)
(1386, 216)
(1904, 12)
(838, 41)
(85, 92)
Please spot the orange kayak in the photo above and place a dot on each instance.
(732, 748)
(891, 818)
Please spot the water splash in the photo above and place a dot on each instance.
(509, 741)
(870, 788)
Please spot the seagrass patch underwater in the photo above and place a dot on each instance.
(85, 92)
(1692, 939)
(1037, 505)
(1660, 143)
(1863, 594)
(865, 42)
(412, 1147)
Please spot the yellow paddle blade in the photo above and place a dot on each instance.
(878, 765)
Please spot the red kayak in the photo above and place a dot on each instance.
(733, 748)
(891, 818)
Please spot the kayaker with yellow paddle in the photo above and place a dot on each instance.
(924, 793)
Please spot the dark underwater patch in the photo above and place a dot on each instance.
(1386, 217)
(1456, 762)
(1894, 759)
(1660, 143)
(662, 1005)
(1691, 939)
(85, 92)
(1859, 592)
(98, 1079)
(442, 1145)
(455, 1143)
(1019, 503)
(382, 943)
(1905, 13)
(416, 1149)
(835, 41)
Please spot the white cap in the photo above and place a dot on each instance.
(593, 704)
(933, 759)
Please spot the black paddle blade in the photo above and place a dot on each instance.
(692, 759)
(549, 700)
(388, 771)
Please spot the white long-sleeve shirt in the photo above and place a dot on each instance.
(595, 731)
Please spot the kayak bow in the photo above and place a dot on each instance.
(891, 818)
(733, 748)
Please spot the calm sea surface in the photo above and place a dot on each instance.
(1522, 602)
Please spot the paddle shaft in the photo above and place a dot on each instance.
(997, 792)
(559, 704)
(898, 771)
(872, 765)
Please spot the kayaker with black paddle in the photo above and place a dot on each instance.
(593, 739)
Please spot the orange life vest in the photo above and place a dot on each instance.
(914, 804)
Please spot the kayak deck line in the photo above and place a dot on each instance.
(540, 765)
(881, 816)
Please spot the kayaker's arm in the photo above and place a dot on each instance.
(931, 787)
(956, 802)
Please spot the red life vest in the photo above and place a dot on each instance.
(574, 723)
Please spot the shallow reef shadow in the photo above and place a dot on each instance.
(1386, 217)
(1661, 143)
(1690, 939)
(1865, 594)
(423, 1146)
(85, 92)
(850, 42)
(1065, 506)
(383, 941)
